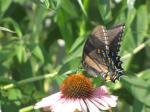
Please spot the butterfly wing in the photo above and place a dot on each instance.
(100, 53)
(94, 63)
(114, 37)
(97, 37)
(93, 59)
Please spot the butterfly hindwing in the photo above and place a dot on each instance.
(95, 63)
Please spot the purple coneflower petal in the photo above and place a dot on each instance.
(100, 101)
(67, 106)
(100, 91)
(83, 105)
(111, 102)
(91, 106)
(48, 101)
(100, 104)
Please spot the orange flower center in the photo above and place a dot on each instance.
(76, 86)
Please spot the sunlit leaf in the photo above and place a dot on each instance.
(6, 29)
(46, 3)
(14, 94)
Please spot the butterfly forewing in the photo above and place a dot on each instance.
(96, 39)
(114, 37)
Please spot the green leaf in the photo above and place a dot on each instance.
(69, 8)
(144, 74)
(82, 7)
(75, 54)
(37, 51)
(20, 52)
(128, 43)
(4, 4)
(138, 88)
(127, 47)
(16, 26)
(76, 44)
(104, 9)
(65, 28)
(141, 23)
(6, 29)
(130, 17)
(138, 106)
(46, 3)
(14, 94)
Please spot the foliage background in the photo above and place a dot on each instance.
(41, 42)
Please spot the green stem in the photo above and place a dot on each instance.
(32, 79)
(136, 50)
(26, 109)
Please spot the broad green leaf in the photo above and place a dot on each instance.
(14, 94)
(144, 74)
(4, 5)
(138, 106)
(147, 109)
(138, 88)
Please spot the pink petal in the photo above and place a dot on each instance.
(114, 97)
(67, 106)
(48, 101)
(102, 90)
(111, 100)
(100, 104)
(92, 107)
(83, 106)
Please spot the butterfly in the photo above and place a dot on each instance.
(100, 52)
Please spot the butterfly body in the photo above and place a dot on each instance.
(100, 53)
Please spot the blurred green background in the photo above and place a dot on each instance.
(41, 41)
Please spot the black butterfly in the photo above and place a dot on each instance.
(100, 53)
